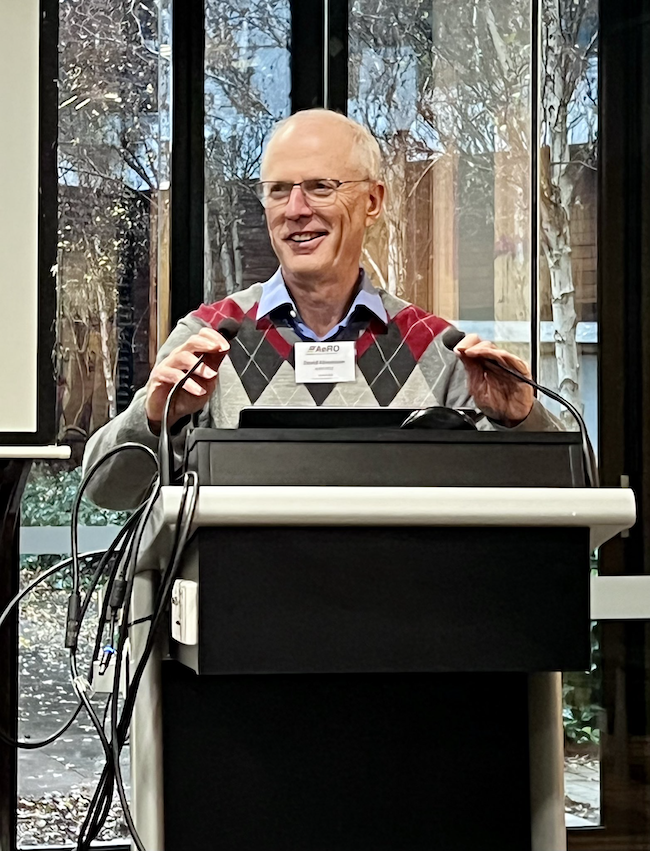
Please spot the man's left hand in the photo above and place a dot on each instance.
(500, 396)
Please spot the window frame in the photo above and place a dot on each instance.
(623, 292)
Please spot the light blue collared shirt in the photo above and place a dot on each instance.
(276, 295)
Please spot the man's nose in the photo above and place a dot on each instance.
(297, 206)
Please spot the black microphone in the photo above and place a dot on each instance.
(228, 328)
(452, 337)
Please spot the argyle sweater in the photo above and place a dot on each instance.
(402, 363)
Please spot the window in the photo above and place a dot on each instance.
(247, 86)
(448, 90)
(113, 155)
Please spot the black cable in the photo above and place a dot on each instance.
(74, 601)
(136, 522)
(122, 637)
(101, 801)
(94, 817)
(103, 792)
(116, 597)
(106, 555)
(124, 531)
(139, 517)
(228, 328)
(592, 469)
(165, 451)
(33, 745)
(450, 339)
(119, 732)
(125, 564)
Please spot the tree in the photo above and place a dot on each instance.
(108, 164)
(246, 92)
(436, 81)
(569, 105)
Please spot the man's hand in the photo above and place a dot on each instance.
(500, 396)
(197, 389)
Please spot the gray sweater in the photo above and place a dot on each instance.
(402, 363)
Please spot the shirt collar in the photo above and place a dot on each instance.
(275, 294)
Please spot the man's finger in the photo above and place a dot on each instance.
(206, 340)
(167, 376)
(467, 342)
(482, 348)
(486, 351)
(187, 360)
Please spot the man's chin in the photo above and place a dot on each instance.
(302, 264)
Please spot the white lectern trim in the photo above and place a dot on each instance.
(606, 511)
(35, 453)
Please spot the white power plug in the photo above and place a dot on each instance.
(185, 611)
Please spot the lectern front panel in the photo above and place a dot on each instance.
(377, 762)
(391, 599)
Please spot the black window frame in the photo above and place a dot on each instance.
(623, 305)
(13, 474)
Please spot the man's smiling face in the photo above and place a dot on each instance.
(317, 242)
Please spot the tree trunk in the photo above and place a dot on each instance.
(394, 256)
(396, 214)
(237, 254)
(557, 250)
(227, 265)
(208, 272)
(108, 367)
(556, 198)
(511, 235)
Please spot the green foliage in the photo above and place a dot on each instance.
(581, 716)
(581, 690)
(33, 565)
(49, 497)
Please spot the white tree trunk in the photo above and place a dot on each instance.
(557, 196)
(394, 256)
(108, 367)
(227, 265)
(395, 214)
(558, 256)
(237, 255)
(208, 272)
(375, 268)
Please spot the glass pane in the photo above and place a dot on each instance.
(56, 782)
(568, 311)
(247, 88)
(583, 718)
(113, 178)
(568, 192)
(446, 90)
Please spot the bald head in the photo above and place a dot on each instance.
(356, 149)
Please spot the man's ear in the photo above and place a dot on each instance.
(375, 202)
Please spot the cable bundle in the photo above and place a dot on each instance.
(119, 562)
(122, 585)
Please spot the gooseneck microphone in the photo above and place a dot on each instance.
(452, 337)
(228, 328)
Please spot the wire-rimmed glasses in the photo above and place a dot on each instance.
(317, 191)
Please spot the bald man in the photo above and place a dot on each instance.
(321, 190)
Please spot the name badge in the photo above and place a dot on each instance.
(325, 363)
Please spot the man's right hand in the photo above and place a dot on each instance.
(197, 389)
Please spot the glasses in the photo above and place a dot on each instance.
(318, 191)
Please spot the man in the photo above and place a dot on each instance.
(321, 188)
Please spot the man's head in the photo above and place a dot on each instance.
(320, 236)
